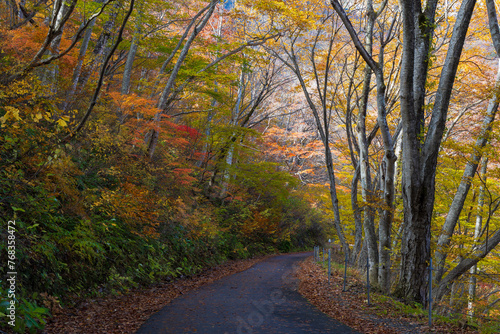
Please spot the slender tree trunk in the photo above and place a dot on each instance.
(101, 45)
(387, 176)
(134, 45)
(112, 50)
(465, 184)
(50, 72)
(14, 12)
(481, 251)
(358, 225)
(366, 183)
(477, 231)
(166, 96)
(388, 170)
(234, 119)
(471, 168)
(204, 157)
(127, 71)
(78, 68)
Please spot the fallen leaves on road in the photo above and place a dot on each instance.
(126, 313)
(351, 307)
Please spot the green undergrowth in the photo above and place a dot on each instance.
(62, 257)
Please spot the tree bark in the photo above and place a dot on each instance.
(366, 183)
(420, 150)
(235, 114)
(465, 184)
(100, 47)
(127, 71)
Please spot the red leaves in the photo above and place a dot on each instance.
(192, 132)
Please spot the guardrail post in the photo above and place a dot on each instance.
(329, 265)
(368, 279)
(430, 294)
(345, 271)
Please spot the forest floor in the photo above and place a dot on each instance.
(350, 307)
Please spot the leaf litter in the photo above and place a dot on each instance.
(351, 307)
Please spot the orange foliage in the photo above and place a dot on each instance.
(259, 225)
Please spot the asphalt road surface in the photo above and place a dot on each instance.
(262, 299)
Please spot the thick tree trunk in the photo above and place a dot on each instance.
(419, 155)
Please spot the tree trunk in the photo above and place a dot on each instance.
(127, 71)
(234, 119)
(101, 45)
(387, 176)
(358, 226)
(388, 168)
(477, 232)
(465, 184)
(420, 150)
(366, 184)
(78, 68)
(471, 167)
(50, 73)
(465, 265)
(166, 96)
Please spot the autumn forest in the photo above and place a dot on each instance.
(147, 140)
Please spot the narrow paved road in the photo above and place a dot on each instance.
(262, 299)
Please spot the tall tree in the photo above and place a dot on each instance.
(293, 53)
(389, 160)
(421, 142)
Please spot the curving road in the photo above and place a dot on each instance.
(262, 299)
